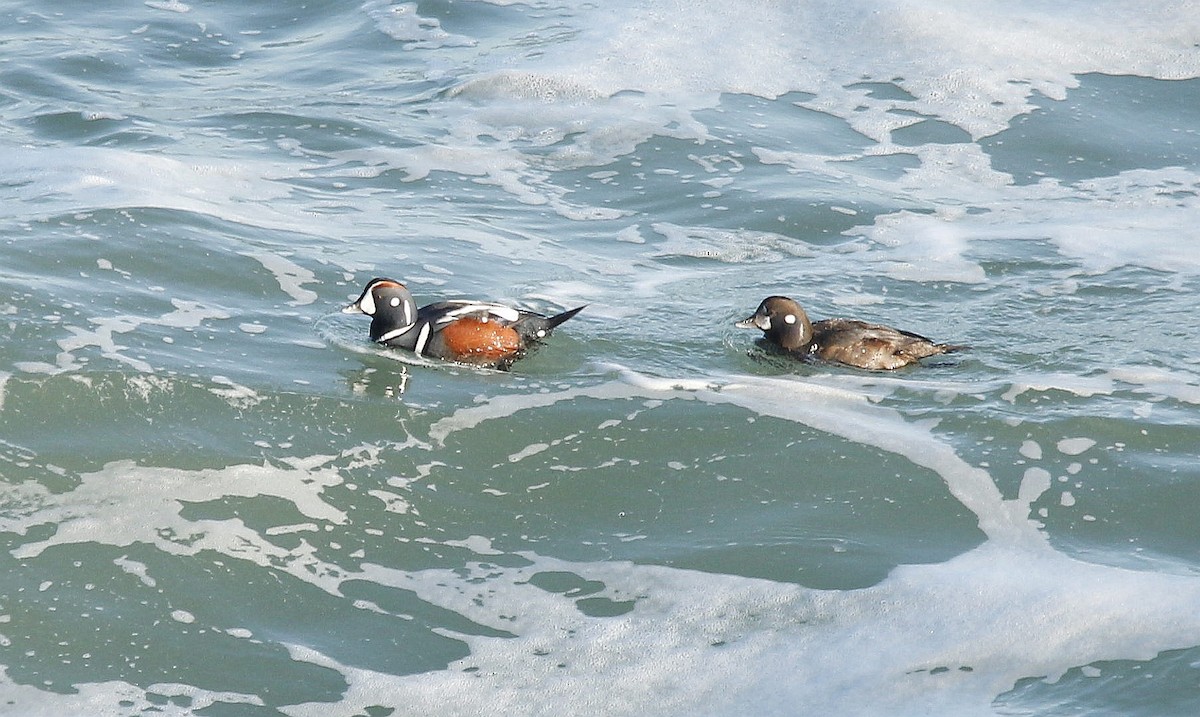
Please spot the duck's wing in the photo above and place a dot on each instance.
(872, 346)
(445, 312)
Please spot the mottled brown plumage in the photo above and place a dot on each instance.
(854, 343)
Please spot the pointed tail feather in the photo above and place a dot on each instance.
(557, 319)
(534, 328)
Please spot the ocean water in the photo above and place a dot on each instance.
(218, 498)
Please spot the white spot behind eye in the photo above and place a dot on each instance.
(789, 319)
(541, 334)
(395, 301)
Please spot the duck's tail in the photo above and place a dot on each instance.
(535, 328)
(557, 319)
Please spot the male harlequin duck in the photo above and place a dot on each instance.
(474, 332)
(855, 343)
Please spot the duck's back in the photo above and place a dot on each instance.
(871, 346)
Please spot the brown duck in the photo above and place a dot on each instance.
(847, 341)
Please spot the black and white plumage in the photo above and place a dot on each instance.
(482, 333)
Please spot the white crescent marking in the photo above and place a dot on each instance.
(422, 337)
(393, 334)
(498, 310)
(367, 303)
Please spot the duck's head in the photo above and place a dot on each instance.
(782, 321)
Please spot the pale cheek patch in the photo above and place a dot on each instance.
(367, 304)
(789, 319)
(395, 301)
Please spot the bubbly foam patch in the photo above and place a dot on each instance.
(974, 65)
(942, 639)
(75, 179)
(185, 315)
(721, 645)
(99, 508)
(291, 276)
(1156, 382)
(402, 22)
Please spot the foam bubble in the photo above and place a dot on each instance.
(401, 22)
(1074, 446)
(291, 276)
(235, 394)
(183, 616)
(726, 245)
(169, 5)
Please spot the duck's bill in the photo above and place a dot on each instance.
(752, 322)
(353, 308)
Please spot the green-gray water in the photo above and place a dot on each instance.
(217, 498)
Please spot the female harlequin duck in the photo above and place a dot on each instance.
(855, 343)
(473, 332)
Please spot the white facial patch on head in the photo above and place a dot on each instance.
(764, 323)
(789, 319)
(395, 301)
(367, 303)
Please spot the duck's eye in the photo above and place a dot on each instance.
(789, 319)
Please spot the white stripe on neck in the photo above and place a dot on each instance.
(422, 338)
(394, 333)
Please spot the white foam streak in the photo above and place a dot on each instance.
(1150, 379)
(116, 697)
(66, 180)
(824, 407)
(185, 315)
(1134, 219)
(974, 64)
(291, 276)
(694, 642)
(401, 22)
(725, 645)
(98, 510)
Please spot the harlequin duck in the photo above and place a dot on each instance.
(473, 332)
(847, 341)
